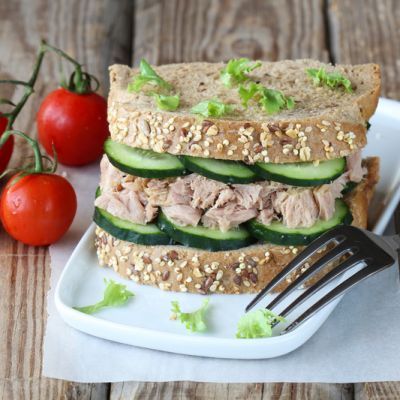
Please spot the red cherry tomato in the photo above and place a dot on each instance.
(37, 209)
(7, 149)
(75, 123)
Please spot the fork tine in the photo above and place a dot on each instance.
(324, 240)
(336, 292)
(329, 277)
(332, 255)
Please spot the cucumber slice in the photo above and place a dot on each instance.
(149, 234)
(205, 238)
(220, 170)
(350, 186)
(278, 233)
(143, 163)
(302, 174)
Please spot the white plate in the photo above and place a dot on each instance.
(145, 322)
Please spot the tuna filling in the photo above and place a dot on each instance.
(194, 199)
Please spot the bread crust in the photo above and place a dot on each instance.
(249, 136)
(246, 270)
(359, 199)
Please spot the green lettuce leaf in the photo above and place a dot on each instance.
(212, 108)
(236, 70)
(272, 101)
(246, 93)
(115, 295)
(256, 324)
(332, 79)
(147, 75)
(167, 103)
(194, 321)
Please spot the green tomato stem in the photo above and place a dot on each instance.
(28, 88)
(14, 82)
(38, 168)
(81, 79)
(44, 46)
(80, 83)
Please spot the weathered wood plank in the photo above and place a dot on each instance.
(182, 31)
(98, 33)
(23, 287)
(220, 391)
(309, 391)
(185, 391)
(368, 31)
(44, 388)
(377, 391)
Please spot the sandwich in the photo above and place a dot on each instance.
(216, 175)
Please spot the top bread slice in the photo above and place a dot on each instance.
(324, 124)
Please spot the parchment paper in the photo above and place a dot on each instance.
(358, 343)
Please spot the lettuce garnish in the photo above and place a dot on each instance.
(246, 93)
(212, 108)
(115, 295)
(166, 102)
(236, 71)
(257, 324)
(271, 100)
(193, 321)
(147, 75)
(331, 79)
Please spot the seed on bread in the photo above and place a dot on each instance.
(134, 121)
(237, 271)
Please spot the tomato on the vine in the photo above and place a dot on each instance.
(7, 149)
(37, 209)
(36, 206)
(75, 124)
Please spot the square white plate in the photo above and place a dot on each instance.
(145, 322)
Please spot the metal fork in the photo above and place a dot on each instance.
(360, 247)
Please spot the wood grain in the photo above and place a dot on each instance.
(368, 31)
(96, 32)
(220, 391)
(191, 30)
(184, 391)
(377, 391)
(44, 388)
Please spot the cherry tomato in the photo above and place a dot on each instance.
(75, 123)
(37, 209)
(7, 149)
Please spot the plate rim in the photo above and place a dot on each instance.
(71, 314)
(74, 317)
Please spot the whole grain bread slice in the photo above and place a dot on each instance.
(324, 123)
(186, 269)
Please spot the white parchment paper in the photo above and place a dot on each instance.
(358, 343)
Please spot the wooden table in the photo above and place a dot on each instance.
(102, 32)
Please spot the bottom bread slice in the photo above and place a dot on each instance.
(245, 270)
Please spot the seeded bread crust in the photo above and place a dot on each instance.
(324, 124)
(246, 270)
